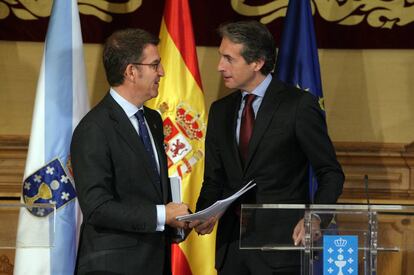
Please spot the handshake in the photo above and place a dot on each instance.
(204, 221)
(173, 210)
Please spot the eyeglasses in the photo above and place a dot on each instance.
(153, 66)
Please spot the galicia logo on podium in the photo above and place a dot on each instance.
(340, 255)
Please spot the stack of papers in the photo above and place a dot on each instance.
(218, 207)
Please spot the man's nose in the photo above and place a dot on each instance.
(161, 70)
(220, 65)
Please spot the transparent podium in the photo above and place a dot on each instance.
(338, 239)
(24, 227)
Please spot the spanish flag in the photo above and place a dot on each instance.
(181, 104)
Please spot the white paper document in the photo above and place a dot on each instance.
(218, 207)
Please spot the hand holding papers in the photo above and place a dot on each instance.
(218, 207)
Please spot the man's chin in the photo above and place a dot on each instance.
(229, 84)
(154, 94)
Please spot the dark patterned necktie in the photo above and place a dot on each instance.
(145, 138)
(246, 126)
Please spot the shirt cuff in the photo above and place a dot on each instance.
(160, 218)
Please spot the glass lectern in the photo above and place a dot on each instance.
(351, 239)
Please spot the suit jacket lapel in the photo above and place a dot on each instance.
(231, 116)
(125, 129)
(156, 133)
(266, 111)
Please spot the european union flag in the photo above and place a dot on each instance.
(297, 60)
(340, 255)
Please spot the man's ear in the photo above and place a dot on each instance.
(258, 64)
(129, 72)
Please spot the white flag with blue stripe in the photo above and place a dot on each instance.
(61, 101)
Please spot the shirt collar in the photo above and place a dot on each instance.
(129, 108)
(260, 90)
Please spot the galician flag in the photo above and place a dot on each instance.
(47, 240)
(181, 104)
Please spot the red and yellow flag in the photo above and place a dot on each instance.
(181, 104)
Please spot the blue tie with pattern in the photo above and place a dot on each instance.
(145, 138)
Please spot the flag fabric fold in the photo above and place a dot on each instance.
(297, 59)
(61, 101)
(181, 104)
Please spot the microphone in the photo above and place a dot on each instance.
(366, 190)
(371, 259)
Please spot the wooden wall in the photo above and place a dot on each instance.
(389, 167)
(368, 93)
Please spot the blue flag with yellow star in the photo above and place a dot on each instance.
(297, 60)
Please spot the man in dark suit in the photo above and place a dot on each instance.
(269, 132)
(120, 168)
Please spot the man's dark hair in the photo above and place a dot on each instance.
(122, 48)
(258, 43)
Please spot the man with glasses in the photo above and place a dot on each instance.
(120, 167)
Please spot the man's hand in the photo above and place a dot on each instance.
(204, 227)
(172, 210)
(298, 235)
